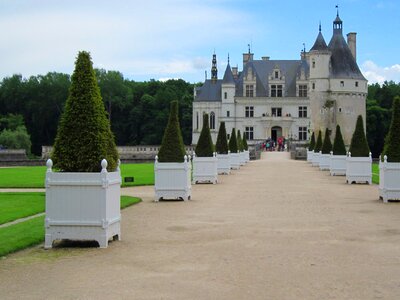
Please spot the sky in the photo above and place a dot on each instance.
(167, 39)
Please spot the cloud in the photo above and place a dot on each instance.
(378, 74)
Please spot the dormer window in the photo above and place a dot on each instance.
(276, 74)
(249, 90)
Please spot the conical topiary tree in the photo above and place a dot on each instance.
(239, 141)
(222, 144)
(359, 145)
(172, 148)
(392, 141)
(312, 142)
(233, 147)
(84, 136)
(244, 143)
(338, 144)
(327, 145)
(205, 147)
(318, 145)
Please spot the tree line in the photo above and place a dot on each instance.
(138, 111)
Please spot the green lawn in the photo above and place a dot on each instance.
(31, 232)
(19, 205)
(375, 173)
(33, 177)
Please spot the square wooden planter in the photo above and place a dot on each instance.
(358, 169)
(205, 169)
(234, 160)
(223, 164)
(247, 155)
(310, 155)
(242, 158)
(315, 159)
(324, 162)
(389, 180)
(338, 165)
(82, 206)
(172, 180)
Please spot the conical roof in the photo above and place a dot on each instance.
(319, 44)
(228, 76)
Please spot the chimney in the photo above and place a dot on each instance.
(265, 58)
(247, 57)
(235, 72)
(352, 42)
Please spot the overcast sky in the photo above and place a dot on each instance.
(176, 38)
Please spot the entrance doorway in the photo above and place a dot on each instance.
(276, 132)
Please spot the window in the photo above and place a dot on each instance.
(356, 83)
(313, 85)
(313, 64)
(249, 132)
(249, 90)
(276, 90)
(302, 90)
(342, 83)
(276, 74)
(302, 133)
(302, 111)
(225, 95)
(340, 109)
(276, 111)
(197, 120)
(249, 111)
(212, 120)
(228, 113)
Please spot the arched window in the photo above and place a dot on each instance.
(212, 120)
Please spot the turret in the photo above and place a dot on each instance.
(319, 58)
(228, 85)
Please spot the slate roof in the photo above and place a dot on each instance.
(228, 76)
(210, 91)
(319, 44)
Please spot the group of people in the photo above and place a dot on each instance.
(272, 145)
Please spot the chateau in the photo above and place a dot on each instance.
(289, 98)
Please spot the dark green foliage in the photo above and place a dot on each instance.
(244, 143)
(233, 147)
(222, 144)
(392, 141)
(172, 148)
(359, 146)
(327, 145)
(338, 144)
(312, 143)
(318, 145)
(84, 136)
(239, 141)
(205, 147)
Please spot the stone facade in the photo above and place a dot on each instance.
(288, 98)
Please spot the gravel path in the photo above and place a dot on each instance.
(275, 229)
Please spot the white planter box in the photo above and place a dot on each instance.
(338, 165)
(224, 164)
(310, 155)
(205, 169)
(358, 169)
(324, 162)
(242, 158)
(172, 180)
(389, 180)
(234, 161)
(247, 155)
(82, 206)
(315, 159)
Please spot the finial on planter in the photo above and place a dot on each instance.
(185, 158)
(156, 158)
(49, 165)
(385, 158)
(104, 165)
(349, 154)
(118, 165)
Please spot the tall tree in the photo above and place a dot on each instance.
(392, 143)
(359, 146)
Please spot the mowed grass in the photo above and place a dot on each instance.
(15, 206)
(33, 177)
(375, 173)
(31, 232)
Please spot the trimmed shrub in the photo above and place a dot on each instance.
(327, 145)
(338, 144)
(359, 145)
(318, 145)
(239, 141)
(244, 143)
(205, 147)
(222, 143)
(312, 142)
(172, 148)
(16, 139)
(84, 135)
(233, 147)
(392, 141)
